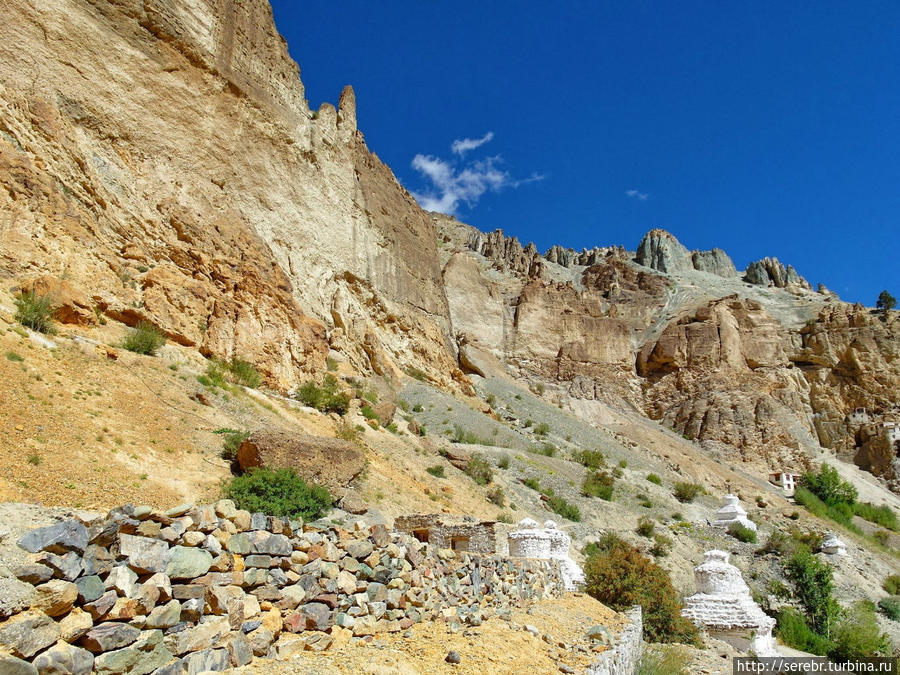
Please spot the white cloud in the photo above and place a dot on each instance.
(452, 185)
(636, 194)
(462, 146)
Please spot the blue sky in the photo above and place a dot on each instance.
(764, 128)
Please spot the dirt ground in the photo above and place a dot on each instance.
(497, 646)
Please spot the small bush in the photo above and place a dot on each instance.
(795, 632)
(144, 338)
(504, 462)
(231, 441)
(479, 470)
(564, 508)
(857, 634)
(532, 483)
(621, 576)
(662, 545)
(12, 356)
(644, 501)
(391, 426)
(491, 400)
(813, 586)
(891, 584)
(327, 398)
(686, 492)
(839, 512)
(617, 472)
(418, 408)
(244, 373)
(828, 486)
(35, 312)
(653, 478)
(623, 464)
(331, 364)
(598, 484)
(658, 660)
(592, 459)
(437, 470)
(547, 450)
(461, 435)
(645, 527)
(34, 459)
(496, 496)
(880, 515)
(542, 429)
(742, 533)
(278, 492)
(891, 607)
(349, 432)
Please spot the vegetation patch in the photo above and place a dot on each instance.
(231, 441)
(653, 478)
(620, 576)
(325, 398)
(565, 509)
(592, 459)
(496, 496)
(144, 338)
(686, 492)
(35, 312)
(437, 470)
(278, 492)
(598, 484)
(742, 533)
(478, 469)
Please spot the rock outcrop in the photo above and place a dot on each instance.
(715, 262)
(661, 251)
(772, 272)
(325, 461)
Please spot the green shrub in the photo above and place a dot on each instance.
(644, 501)
(532, 483)
(244, 373)
(742, 533)
(659, 660)
(891, 607)
(813, 586)
(278, 492)
(331, 364)
(144, 338)
(662, 545)
(547, 450)
(35, 312)
(564, 508)
(620, 576)
(12, 356)
(623, 464)
(214, 376)
(828, 486)
(592, 459)
(857, 634)
(326, 398)
(437, 470)
(542, 429)
(491, 400)
(391, 426)
(840, 512)
(653, 478)
(880, 515)
(504, 462)
(461, 435)
(349, 432)
(686, 492)
(795, 632)
(892, 584)
(598, 484)
(231, 440)
(496, 496)
(645, 527)
(617, 472)
(479, 470)
(418, 408)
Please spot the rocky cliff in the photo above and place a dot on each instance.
(160, 156)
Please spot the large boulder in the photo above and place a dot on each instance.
(330, 462)
(661, 251)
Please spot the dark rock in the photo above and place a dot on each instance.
(68, 566)
(452, 657)
(107, 636)
(318, 615)
(34, 573)
(69, 535)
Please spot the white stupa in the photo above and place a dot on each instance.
(573, 575)
(529, 541)
(723, 607)
(833, 546)
(731, 511)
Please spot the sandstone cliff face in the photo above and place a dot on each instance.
(161, 157)
(772, 272)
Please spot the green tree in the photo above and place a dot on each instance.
(813, 586)
(886, 302)
(828, 486)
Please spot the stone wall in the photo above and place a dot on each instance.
(210, 587)
(485, 538)
(624, 656)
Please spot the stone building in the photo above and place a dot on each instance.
(724, 608)
(459, 533)
(785, 480)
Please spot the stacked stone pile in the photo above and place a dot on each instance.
(206, 588)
